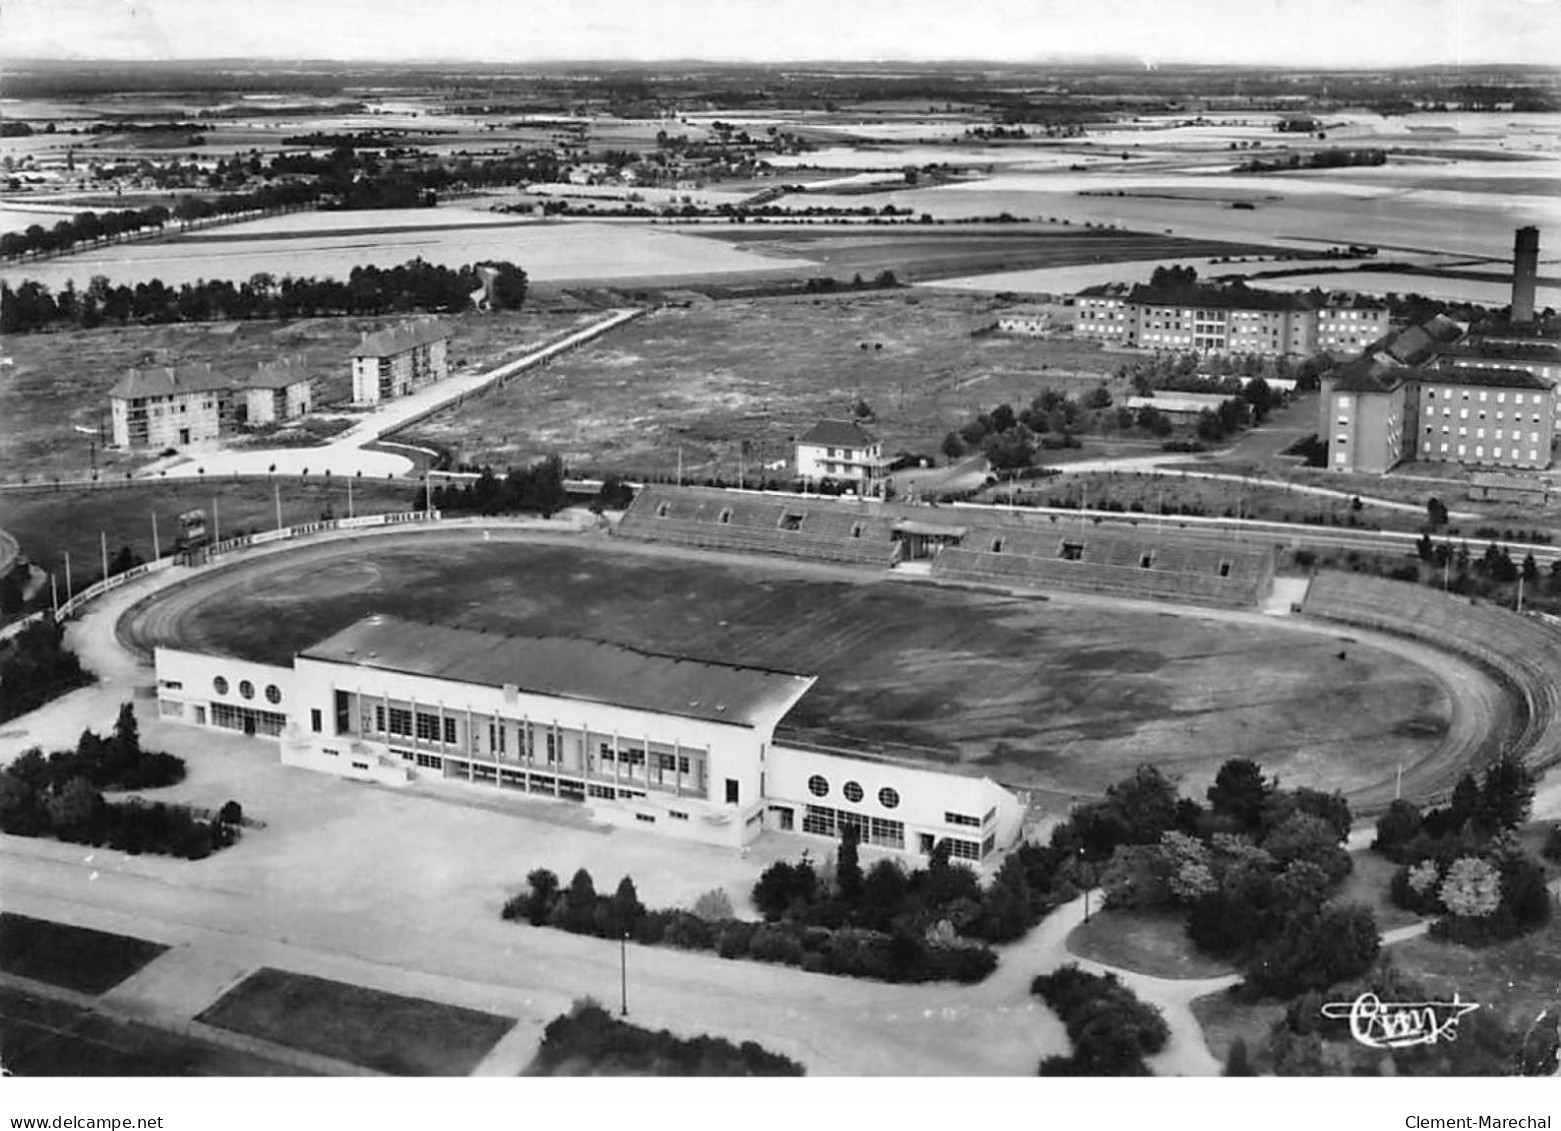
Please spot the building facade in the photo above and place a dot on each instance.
(664, 744)
(1212, 319)
(840, 450)
(397, 362)
(172, 407)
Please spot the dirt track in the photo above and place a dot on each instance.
(1474, 702)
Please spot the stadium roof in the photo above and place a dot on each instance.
(399, 339)
(838, 434)
(567, 668)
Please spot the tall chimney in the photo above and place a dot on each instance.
(1525, 266)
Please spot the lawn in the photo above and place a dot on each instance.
(51, 523)
(1224, 1019)
(1051, 694)
(42, 1037)
(1368, 884)
(1147, 942)
(77, 958)
(400, 1036)
(1513, 980)
(720, 379)
(59, 382)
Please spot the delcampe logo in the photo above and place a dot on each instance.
(1381, 1024)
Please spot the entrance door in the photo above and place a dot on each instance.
(184, 435)
(249, 724)
(783, 819)
(926, 844)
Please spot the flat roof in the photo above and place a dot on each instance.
(569, 668)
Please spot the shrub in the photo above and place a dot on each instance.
(1110, 1028)
(1552, 849)
(590, 1041)
(714, 906)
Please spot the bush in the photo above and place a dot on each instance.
(1110, 1028)
(590, 1041)
(714, 906)
(1552, 849)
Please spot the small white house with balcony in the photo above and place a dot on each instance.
(841, 450)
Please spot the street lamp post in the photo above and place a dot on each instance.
(623, 974)
(1085, 880)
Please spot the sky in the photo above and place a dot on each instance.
(1307, 33)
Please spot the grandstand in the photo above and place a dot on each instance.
(1524, 652)
(964, 544)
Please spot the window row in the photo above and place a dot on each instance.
(821, 821)
(246, 689)
(818, 786)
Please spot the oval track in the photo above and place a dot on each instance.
(171, 616)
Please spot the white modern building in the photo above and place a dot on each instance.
(841, 450)
(671, 745)
(400, 361)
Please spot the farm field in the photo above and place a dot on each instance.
(919, 253)
(1066, 695)
(547, 251)
(60, 381)
(707, 380)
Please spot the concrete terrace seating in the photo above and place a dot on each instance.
(1014, 549)
(824, 530)
(1524, 651)
(1133, 581)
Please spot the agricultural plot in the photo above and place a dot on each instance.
(720, 380)
(1060, 695)
(547, 251)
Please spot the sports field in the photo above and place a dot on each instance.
(1064, 694)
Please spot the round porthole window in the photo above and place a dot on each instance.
(853, 791)
(246, 689)
(273, 693)
(220, 685)
(888, 798)
(818, 786)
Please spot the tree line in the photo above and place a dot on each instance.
(367, 290)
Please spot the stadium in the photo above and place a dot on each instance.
(720, 663)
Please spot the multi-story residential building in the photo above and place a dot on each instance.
(400, 361)
(173, 406)
(1103, 313)
(1214, 319)
(665, 744)
(1424, 395)
(841, 450)
(1484, 417)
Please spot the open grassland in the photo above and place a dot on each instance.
(60, 381)
(88, 961)
(401, 1036)
(710, 379)
(48, 524)
(1063, 695)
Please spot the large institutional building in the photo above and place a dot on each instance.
(175, 406)
(399, 361)
(668, 744)
(1437, 394)
(1215, 319)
